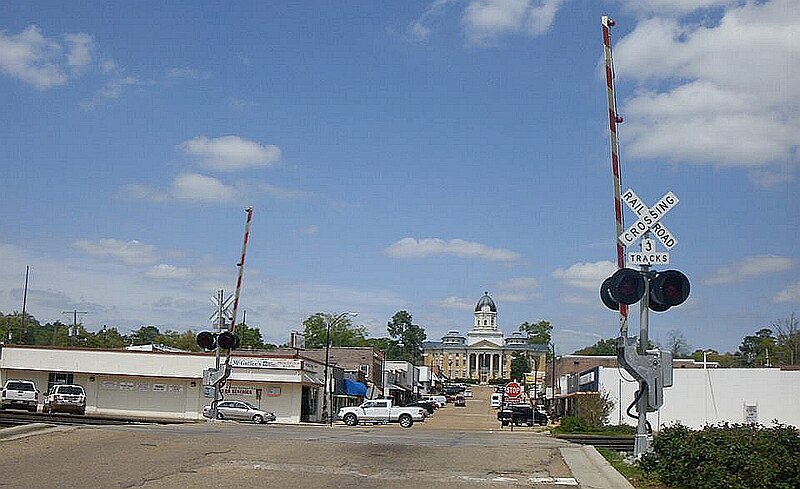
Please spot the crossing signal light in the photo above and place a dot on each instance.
(605, 295)
(206, 340)
(226, 340)
(626, 286)
(669, 288)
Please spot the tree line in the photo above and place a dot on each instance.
(14, 330)
(772, 346)
(404, 341)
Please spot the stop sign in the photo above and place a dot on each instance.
(513, 389)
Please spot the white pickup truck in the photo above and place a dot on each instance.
(381, 411)
(19, 394)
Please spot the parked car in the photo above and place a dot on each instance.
(240, 410)
(460, 401)
(19, 394)
(69, 398)
(521, 414)
(381, 411)
(468, 393)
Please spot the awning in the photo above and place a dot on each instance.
(307, 379)
(353, 388)
(394, 387)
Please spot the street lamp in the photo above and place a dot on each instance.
(327, 391)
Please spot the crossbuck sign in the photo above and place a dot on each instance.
(649, 221)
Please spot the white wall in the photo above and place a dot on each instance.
(700, 396)
(157, 385)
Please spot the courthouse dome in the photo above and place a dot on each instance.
(485, 301)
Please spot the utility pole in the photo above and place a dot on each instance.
(24, 298)
(73, 331)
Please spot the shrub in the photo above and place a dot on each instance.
(737, 456)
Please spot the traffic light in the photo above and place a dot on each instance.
(226, 340)
(669, 288)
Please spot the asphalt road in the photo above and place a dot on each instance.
(458, 447)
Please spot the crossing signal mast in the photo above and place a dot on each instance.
(653, 290)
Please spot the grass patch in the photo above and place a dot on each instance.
(636, 476)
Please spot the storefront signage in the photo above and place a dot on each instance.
(282, 363)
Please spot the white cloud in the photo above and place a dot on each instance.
(283, 193)
(108, 66)
(185, 72)
(454, 302)
(723, 94)
(750, 267)
(165, 271)
(419, 29)
(586, 275)
(518, 289)
(195, 187)
(80, 49)
(231, 153)
(769, 179)
(675, 7)
(200, 188)
(311, 230)
(111, 91)
(484, 21)
(519, 283)
(422, 248)
(790, 294)
(131, 252)
(32, 58)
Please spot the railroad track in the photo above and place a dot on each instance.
(622, 444)
(16, 419)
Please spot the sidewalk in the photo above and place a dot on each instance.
(591, 470)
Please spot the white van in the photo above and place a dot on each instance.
(496, 400)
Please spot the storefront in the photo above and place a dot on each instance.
(168, 384)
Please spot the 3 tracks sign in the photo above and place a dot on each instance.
(649, 222)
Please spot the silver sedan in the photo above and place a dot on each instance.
(240, 410)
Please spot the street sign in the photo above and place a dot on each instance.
(649, 219)
(513, 390)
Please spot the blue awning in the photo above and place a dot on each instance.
(353, 388)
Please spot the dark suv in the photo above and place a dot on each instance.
(521, 414)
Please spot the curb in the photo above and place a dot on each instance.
(591, 470)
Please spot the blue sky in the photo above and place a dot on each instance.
(401, 155)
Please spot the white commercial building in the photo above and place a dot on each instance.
(167, 384)
(705, 396)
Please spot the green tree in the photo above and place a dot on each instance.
(538, 333)
(519, 365)
(756, 348)
(343, 333)
(408, 337)
(144, 336)
(14, 331)
(107, 338)
(249, 337)
(725, 360)
(602, 347)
